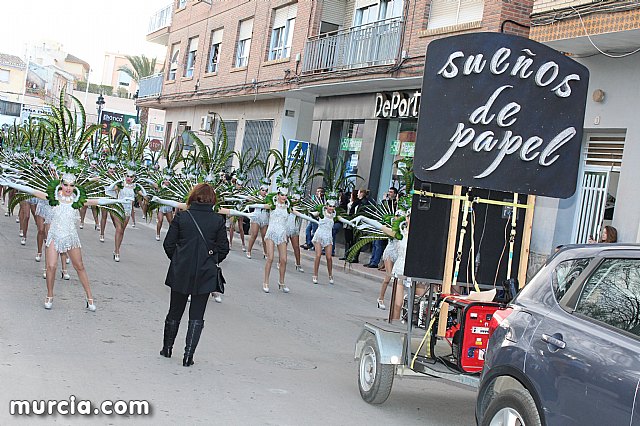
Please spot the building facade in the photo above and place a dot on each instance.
(605, 37)
(313, 71)
(123, 85)
(12, 75)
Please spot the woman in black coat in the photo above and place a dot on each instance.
(190, 272)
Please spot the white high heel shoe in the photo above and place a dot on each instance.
(299, 268)
(283, 287)
(65, 274)
(116, 257)
(91, 306)
(38, 257)
(23, 241)
(331, 280)
(158, 237)
(314, 279)
(48, 302)
(265, 287)
(381, 304)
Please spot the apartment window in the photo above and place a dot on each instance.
(173, 67)
(244, 43)
(183, 137)
(446, 13)
(159, 128)
(4, 76)
(367, 11)
(124, 79)
(214, 51)
(182, 4)
(191, 57)
(282, 34)
(390, 9)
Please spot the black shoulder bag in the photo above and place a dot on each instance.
(221, 280)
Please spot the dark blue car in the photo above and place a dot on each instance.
(567, 349)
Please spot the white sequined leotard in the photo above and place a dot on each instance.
(391, 251)
(293, 225)
(127, 191)
(43, 209)
(277, 230)
(261, 217)
(398, 267)
(63, 233)
(324, 235)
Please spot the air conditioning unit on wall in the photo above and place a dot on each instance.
(206, 123)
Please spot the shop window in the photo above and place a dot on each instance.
(214, 51)
(446, 13)
(351, 140)
(282, 34)
(173, 67)
(400, 145)
(244, 43)
(191, 57)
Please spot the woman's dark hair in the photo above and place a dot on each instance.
(612, 235)
(202, 193)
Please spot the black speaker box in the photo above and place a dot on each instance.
(429, 229)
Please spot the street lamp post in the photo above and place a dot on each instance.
(99, 103)
(135, 100)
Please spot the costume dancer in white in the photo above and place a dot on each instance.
(63, 236)
(259, 223)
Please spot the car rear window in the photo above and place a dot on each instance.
(612, 295)
(565, 274)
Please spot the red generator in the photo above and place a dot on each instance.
(468, 331)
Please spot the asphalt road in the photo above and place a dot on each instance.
(263, 359)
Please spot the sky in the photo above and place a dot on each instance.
(85, 28)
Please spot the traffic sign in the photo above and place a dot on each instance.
(297, 149)
(155, 145)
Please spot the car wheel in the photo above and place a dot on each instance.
(374, 379)
(513, 407)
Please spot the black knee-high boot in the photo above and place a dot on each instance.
(193, 337)
(170, 332)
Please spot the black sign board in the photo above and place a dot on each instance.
(501, 112)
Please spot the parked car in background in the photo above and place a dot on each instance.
(566, 351)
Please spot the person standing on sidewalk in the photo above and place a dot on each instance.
(189, 273)
(311, 227)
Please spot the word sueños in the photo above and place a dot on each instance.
(502, 114)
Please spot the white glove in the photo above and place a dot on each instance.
(234, 212)
(107, 201)
(21, 188)
(169, 203)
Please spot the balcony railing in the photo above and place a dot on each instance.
(160, 19)
(150, 87)
(367, 45)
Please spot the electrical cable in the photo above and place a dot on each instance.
(596, 47)
(501, 254)
(512, 234)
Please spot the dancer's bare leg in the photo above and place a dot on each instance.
(76, 260)
(267, 266)
(160, 218)
(282, 260)
(316, 260)
(263, 232)
(23, 216)
(388, 267)
(295, 244)
(51, 261)
(120, 227)
(83, 214)
(103, 221)
(327, 253)
(253, 235)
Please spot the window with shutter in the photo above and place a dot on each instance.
(191, 57)
(282, 34)
(447, 13)
(173, 66)
(244, 43)
(214, 51)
